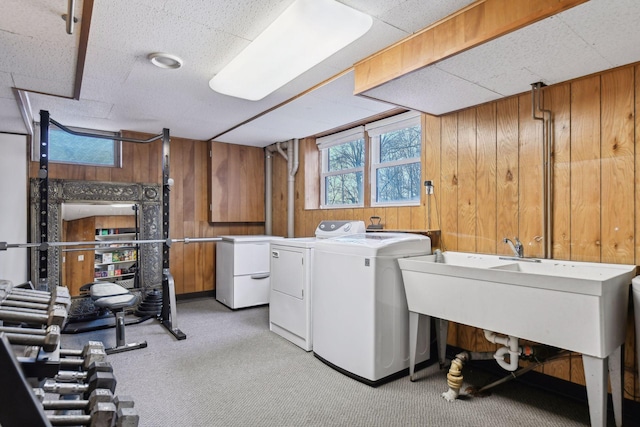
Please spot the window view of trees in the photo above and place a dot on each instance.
(398, 172)
(67, 148)
(347, 186)
(393, 165)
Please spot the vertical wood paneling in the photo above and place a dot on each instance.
(558, 100)
(507, 171)
(467, 133)
(530, 229)
(585, 170)
(617, 166)
(486, 179)
(419, 214)
(189, 182)
(637, 162)
(391, 217)
(449, 182)
(404, 217)
(431, 143)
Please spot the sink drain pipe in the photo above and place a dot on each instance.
(455, 378)
(539, 354)
(510, 348)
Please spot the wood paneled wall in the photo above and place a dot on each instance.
(193, 265)
(486, 164)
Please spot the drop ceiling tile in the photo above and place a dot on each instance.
(10, 117)
(510, 82)
(36, 84)
(143, 30)
(6, 83)
(109, 65)
(411, 15)
(377, 38)
(439, 92)
(242, 18)
(36, 58)
(612, 28)
(38, 19)
(66, 111)
(547, 49)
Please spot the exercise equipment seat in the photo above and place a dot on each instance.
(116, 299)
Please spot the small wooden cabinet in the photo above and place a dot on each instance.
(237, 183)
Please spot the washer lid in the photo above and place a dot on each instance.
(377, 243)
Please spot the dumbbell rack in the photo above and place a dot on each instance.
(79, 374)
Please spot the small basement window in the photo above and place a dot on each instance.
(81, 150)
(342, 177)
(396, 145)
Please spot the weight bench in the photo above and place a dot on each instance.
(116, 299)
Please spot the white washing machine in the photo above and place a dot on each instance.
(360, 314)
(291, 281)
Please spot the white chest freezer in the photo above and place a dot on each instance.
(242, 270)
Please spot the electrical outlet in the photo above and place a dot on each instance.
(80, 257)
(428, 187)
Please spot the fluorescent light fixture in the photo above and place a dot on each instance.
(307, 32)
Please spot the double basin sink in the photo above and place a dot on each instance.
(578, 306)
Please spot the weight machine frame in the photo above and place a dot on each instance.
(168, 316)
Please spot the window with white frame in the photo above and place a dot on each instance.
(81, 150)
(396, 145)
(342, 176)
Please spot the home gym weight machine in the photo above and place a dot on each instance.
(168, 315)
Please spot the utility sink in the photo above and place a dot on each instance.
(578, 306)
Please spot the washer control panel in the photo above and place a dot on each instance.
(328, 229)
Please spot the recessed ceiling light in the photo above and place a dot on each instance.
(165, 60)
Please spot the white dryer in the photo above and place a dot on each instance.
(291, 281)
(360, 314)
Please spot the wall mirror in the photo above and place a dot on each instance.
(66, 196)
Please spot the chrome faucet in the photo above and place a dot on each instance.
(517, 248)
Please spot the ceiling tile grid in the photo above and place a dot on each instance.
(122, 90)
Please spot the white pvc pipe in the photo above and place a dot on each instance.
(511, 348)
(292, 158)
(292, 152)
(268, 193)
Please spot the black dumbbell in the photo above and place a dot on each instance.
(66, 376)
(97, 395)
(127, 415)
(55, 315)
(48, 339)
(97, 380)
(99, 409)
(91, 353)
(83, 351)
(59, 296)
(102, 415)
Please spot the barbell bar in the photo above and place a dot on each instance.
(43, 246)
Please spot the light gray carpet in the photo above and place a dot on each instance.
(232, 371)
